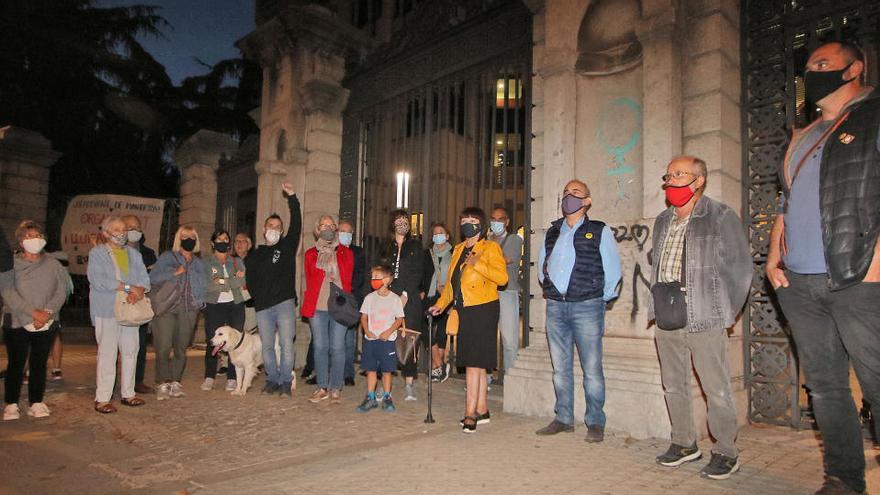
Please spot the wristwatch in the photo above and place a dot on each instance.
(127, 288)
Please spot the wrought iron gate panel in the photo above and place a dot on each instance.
(777, 36)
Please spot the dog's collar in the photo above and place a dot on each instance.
(240, 341)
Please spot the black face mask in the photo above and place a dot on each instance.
(188, 244)
(220, 247)
(469, 230)
(818, 85)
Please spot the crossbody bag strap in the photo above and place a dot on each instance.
(815, 145)
(684, 261)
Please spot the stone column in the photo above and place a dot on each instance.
(198, 158)
(25, 159)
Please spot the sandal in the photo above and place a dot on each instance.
(105, 407)
(133, 401)
(469, 424)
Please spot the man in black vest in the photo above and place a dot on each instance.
(823, 259)
(579, 272)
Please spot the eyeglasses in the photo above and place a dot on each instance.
(678, 174)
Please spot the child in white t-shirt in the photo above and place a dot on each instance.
(381, 318)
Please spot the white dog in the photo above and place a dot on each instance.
(245, 352)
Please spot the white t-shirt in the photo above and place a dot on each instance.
(225, 296)
(381, 312)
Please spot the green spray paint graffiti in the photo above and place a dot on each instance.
(625, 114)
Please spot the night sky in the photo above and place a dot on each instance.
(203, 29)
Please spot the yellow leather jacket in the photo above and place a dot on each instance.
(479, 283)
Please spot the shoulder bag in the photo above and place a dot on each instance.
(670, 298)
(126, 314)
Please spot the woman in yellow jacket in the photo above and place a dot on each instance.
(476, 270)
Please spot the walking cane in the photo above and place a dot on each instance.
(430, 417)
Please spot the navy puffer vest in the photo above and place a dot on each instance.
(588, 277)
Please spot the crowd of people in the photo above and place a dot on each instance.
(822, 264)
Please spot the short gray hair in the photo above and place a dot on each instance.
(109, 219)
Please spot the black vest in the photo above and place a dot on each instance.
(588, 277)
(850, 194)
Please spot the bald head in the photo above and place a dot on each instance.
(577, 188)
(690, 164)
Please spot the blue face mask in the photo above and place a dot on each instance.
(439, 239)
(345, 238)
(497, 227)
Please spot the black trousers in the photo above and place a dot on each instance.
(142, 354)
(21, 344)
(832, 330)
(217, 315)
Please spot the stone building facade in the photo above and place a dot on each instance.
(434, 105)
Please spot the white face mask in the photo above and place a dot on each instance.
(34, 245)
(135, 236)
(272, 237)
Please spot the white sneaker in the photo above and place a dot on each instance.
(231, 385)
(163, 391)
(176, 390)
(410, 395)
(38, 410)
(11, 412)
(208, 384)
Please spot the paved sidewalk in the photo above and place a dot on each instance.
(213, 443)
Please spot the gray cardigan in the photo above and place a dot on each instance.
(718, 264)
(213, 268)
(37, 285)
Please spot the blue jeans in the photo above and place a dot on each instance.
(328, 337)
(350, 344)
(281, 319)
(508, 325)
(580, 324)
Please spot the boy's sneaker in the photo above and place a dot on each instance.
(208, 384)
(677, 455)
(388, 404)
(57, 374)
(11, 412)
(163, 391)
(231, 384)
(367, 405)
(410, 394)
(720, 467)
(176, 390)
(38, 410)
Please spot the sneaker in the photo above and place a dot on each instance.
(468, 427)
(720, 467)
(447, 371)
(176, 390)
(285, 389)
(270, 388)
(38, 410)
(482, 419)
(11, 412)
(437, 374)
(410, 394)
(349, 382)
(388, 404)
(835, 486)
(677, 455)
(555, 427)
(367, 405)
(231, 385)
(319, 395)
(595, 434)
(312, 380)
(163, 392)
(208, 384)
(335, 397)
(57, 374)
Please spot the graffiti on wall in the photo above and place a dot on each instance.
(618, 133)
(637, 234)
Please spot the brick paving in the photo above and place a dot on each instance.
(211, 442)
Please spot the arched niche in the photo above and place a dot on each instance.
(607, 41)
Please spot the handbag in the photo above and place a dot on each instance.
(165, 298)
(343, 307)
(126, 314)
(406, 345)
(670, 299)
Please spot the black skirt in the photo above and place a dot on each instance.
(478, 336)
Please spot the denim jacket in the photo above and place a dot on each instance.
(103, 283)
(168, 263)
(718, 264)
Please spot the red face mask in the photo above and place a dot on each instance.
(376, 284)
(678, 196)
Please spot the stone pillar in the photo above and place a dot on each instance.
(198, 158)
(25, 159)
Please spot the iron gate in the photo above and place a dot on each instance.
(777, 36)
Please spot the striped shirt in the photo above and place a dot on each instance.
(673, 248)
